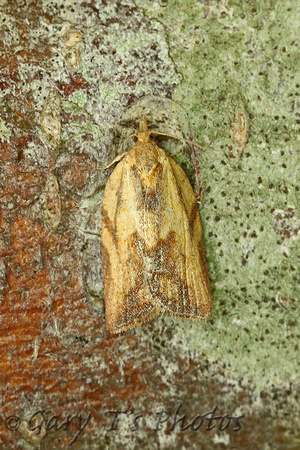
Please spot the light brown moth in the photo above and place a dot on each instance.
(152, 246)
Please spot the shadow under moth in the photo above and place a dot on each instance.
(151, 245)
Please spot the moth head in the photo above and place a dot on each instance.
(144, 135)
(143, 128)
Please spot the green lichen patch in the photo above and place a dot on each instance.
(240, 58)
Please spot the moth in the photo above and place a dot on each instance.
(151, 243)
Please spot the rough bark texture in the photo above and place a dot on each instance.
(70, 71)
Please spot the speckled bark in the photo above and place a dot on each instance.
(70, 71)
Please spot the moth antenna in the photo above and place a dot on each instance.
(184, 140)
(117, 159)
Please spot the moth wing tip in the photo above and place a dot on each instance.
(116, 329)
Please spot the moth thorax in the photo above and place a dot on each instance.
(146, 157)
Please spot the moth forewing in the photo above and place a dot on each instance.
(127, 302)
(152, 247)
(180, 283)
